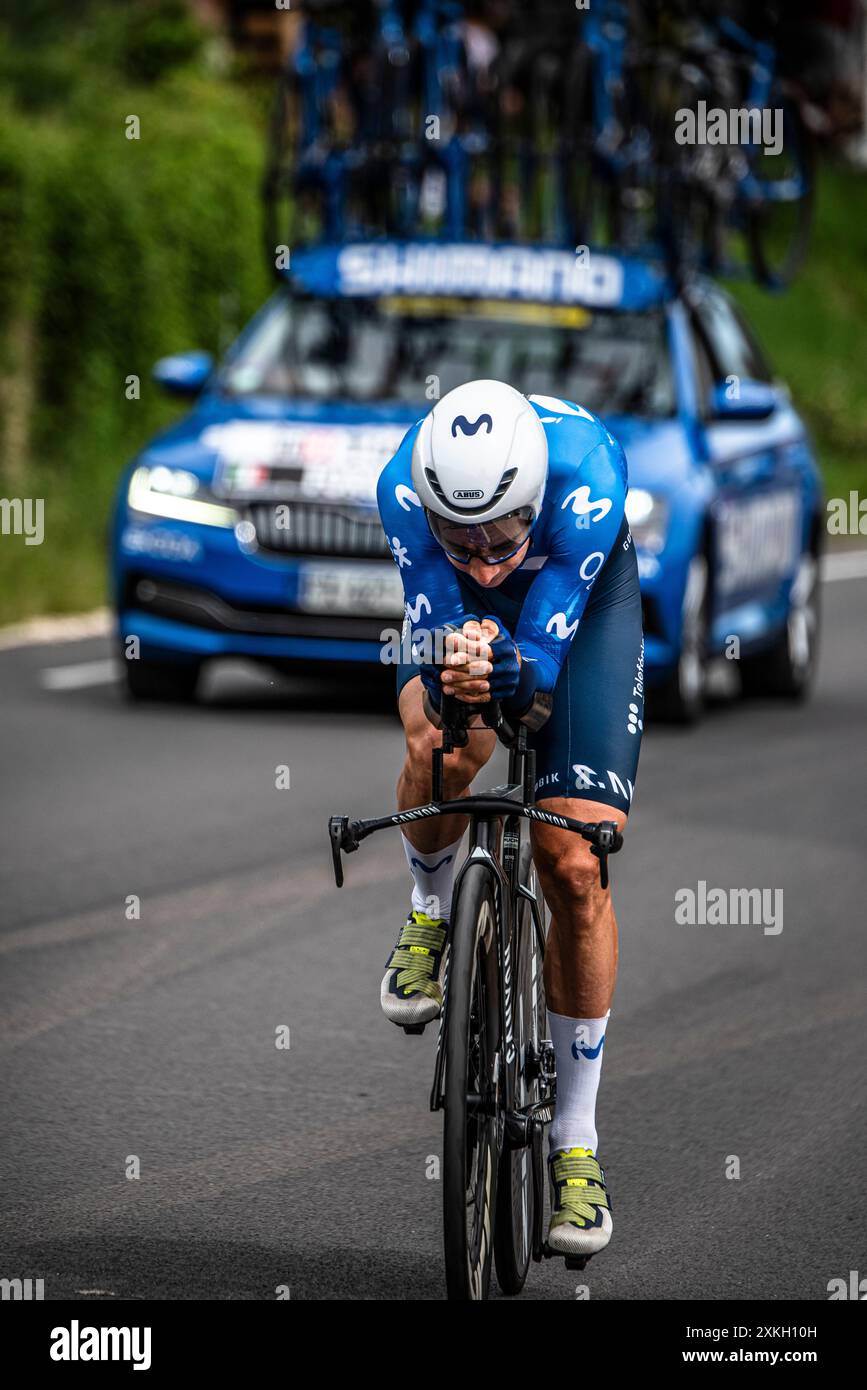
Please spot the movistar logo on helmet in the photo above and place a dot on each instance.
(461, 423)
(465, 469)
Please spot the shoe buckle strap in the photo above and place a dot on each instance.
(573, 1197)
(577, 1168)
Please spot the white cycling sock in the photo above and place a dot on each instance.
(578, 1044)
(433, 875)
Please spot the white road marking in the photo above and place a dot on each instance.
(77, 677)
(844, 564)
(70, 627)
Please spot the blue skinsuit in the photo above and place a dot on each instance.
(573, 606)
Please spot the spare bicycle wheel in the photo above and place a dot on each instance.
(781, 197)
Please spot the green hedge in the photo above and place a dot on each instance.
(113, 252)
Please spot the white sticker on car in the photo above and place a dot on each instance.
(758, 540)
(262, 458)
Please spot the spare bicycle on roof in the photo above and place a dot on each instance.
(663, 130)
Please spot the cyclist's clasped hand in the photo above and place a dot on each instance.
(482, 663)
(469, 662)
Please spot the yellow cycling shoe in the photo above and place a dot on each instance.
(412, 986)
(580, 1208)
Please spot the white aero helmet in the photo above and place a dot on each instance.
(480, 455)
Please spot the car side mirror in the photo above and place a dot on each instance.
(184, 373)
(743, 400)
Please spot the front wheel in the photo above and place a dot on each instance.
(473, 1124)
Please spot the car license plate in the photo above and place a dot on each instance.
(366, 590)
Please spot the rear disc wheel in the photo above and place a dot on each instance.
(516, 1214)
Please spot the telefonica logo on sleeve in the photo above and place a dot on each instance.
(516, 272)
(76, 1343)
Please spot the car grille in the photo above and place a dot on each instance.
(309, 529)
(187, 603)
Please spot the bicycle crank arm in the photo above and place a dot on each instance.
(521, 1124)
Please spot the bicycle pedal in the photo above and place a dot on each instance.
(572, 1262)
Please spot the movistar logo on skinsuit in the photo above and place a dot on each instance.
(428, 868)
(405, 497)
(560, 627)
(583, 505)
(461, 422)
(591, 1053)
(415, 610)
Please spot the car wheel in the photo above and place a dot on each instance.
(787, 668)
(679, 699)
(162, 680)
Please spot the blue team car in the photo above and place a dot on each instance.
(250, 527)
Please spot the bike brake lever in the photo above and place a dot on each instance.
(342, 838)
(602, 856)
(607, 840)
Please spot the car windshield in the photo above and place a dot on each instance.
(411, 349)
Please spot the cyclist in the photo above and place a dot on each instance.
(505, 517)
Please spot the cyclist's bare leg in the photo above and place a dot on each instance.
(580, 973)
(411, 992)
(581, 955)
(414, 783)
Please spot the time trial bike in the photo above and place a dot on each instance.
(494, 1074)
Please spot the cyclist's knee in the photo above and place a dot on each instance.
(421, 739)
(570, 877)
(568, 870)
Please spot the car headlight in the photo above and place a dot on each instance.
(172, 492)
(647, 515)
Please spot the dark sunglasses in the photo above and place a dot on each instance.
(492, 542)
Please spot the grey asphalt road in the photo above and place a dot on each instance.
(152, 1041)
